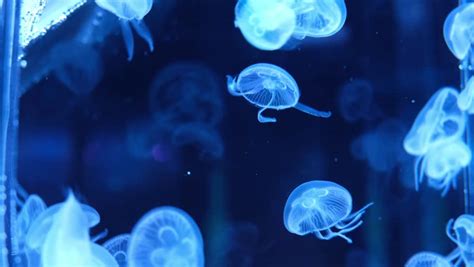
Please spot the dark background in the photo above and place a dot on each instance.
(85, 139)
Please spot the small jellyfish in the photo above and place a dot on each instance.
(117, 246)
(442, 163)
(265, 24)
(269, 87)
(427, 259)
(319, 18)
(130, 12)
(461, 232)
(466, 97)
(322, 208)
(32, 208)
(166, 236)
(458, 30)
(439, 119)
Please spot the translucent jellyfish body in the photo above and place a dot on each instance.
(166, 236)
(265, 24)
(117, 246)
(459, 30)
(442, 163)
(427, 259)
(466, 97)
(130, 12)
(439, 119)
(32, 208)
(321, 208)
(319, 18)
(461, 232)
(269, 87)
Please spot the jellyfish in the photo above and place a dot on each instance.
(461, 232)
(269, 87)
(265, 24)
(319, 18)
(166, 236)
(439, 119)
(32, 208)
(466, 97)
(442, 163)
(356, 101)
(117, 246)
(458, 30)
(322, 208)
(67, 242)
(427, 259)
(130, 12)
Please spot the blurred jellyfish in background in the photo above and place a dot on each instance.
(269, 87)
(356, 101)
(130, 12)
(461, 232)
(458, 28)
(382, 147)
(166, 236)
(117, 247)
(427, 259)
(322, 208)
(204, 138)
(270, 24)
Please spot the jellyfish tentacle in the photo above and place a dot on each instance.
(328, 234)
(359, 212)
(419, 170)
(344, 224)
(458, 262)
(311, 111)
(453, 255)
(127, 38)
(143, 31)
(100, 236)
(450, 235)
(263, 119)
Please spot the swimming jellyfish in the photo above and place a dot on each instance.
(117, 246)
(322, 208)
(458, 29)
(265, 24)
(439, 119)
(461, 232)
(466, 97)
(427, 259)
(130, 12)
(319, 18)
(269, 87)
(166, 236)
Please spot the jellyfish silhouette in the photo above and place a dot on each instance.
(461, 232)
(466, 97)
(269, 87)
(130, 12)
(321, 208)
(185, 92)
(427, 259)
(117, 247)
(356, 101)
(458, 28)
(166, 236)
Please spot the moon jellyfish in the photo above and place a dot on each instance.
(427, 259)
(166, 236)
(356, 101)
(265, 24)
(32, 208)
(461, 232)
(269, 87)
(67, 242)
(442, 163)
(458, 29)
(439, 119)
(130, 12)
(466, 97)
(117, 246)
(319, 18)
(322, 208)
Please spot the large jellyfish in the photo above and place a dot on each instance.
(427, 259)
(458, 30)
(265, 24)
(130, 12)
(322, 208)
(442, 163)
(166, 236)
(461, 232)
(439, 119)
(117, 246)
(269, 87)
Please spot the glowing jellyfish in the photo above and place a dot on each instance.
(321, 208)
(166, 236)
(117, 246)
(458, 29)
(32, 208)
(466, 97)
(130, 12)
(440, 119)
(265, 24)
(442, 163)
(427, 259)
(461, 232)
(319, 18)
(269, 87)
(67, 242)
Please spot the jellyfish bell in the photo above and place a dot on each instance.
(269, 87)
(318, 207)
(461, 232)
(459, 30)
(425, 259)
(117, 247)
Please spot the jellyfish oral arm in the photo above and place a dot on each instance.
(263, 119)
(231, 86)
(143, 31)
(127, 37)
(312, 111)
